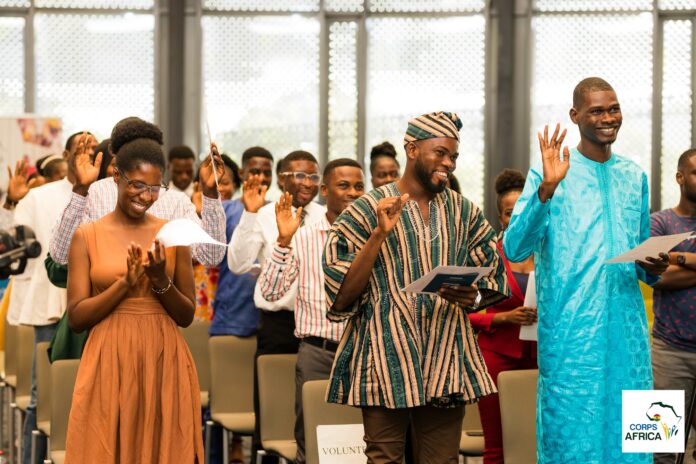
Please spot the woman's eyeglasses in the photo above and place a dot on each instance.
(302, 176)
(136, 186)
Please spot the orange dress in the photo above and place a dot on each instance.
(136, 398)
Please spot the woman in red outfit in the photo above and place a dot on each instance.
(499, 326)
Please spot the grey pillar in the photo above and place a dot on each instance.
(508, 82)
(170, 70)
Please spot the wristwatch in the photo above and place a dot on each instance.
(681, 260)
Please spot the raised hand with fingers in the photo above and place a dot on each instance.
(207, 173)
(389, 211)
(18, 186)
(134, 261)
(156, 266)
(286, 221)
(254, 193)
(86, 171)
(555, 169)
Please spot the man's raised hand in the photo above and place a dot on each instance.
(389, 211)
(207, 176)
(287, 222)
(554, 168)
(86, 172)
(18, 186)
(254, 193)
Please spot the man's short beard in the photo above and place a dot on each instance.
(426, 179)
(690, 195)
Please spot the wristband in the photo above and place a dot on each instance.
(162, 291)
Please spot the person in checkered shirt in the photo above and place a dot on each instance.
(91, 199)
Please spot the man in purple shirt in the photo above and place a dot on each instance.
(674, 302)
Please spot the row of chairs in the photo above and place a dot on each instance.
(225, 368)
(54, 386)
(226, 364)
(16, 386)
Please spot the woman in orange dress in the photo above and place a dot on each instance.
(136, 398)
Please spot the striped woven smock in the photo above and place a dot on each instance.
(404, 350)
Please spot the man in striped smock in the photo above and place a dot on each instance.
(411, 358)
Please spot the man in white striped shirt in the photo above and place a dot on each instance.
(296, 257)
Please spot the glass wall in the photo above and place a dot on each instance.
(265, 82)
(12, 69)
(93, 61)
(261, 81)
(93, 70)
(627, 43)
(335, 77)
(618, 47)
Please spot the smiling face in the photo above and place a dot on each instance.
(344, 185)
(133, 200)
(305, 191)
(435, 161)
(598, 117)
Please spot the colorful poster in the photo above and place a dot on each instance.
(28, 137)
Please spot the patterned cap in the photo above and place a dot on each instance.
(432, 126)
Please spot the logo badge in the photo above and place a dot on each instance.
(653, 421)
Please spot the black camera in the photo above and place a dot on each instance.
(16, 246)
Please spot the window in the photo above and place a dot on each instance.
(12, 69)
(93, 70)
(261, 81)
(343, 90)
(416, 65)
(677, 101)
(617, 47)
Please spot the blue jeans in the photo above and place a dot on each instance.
(42, 333)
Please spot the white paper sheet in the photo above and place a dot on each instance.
(652, 247)
(341, 444)
(446, 275)
(184, 232)
(529, 332)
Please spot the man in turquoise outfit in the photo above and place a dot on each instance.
(575, 213)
